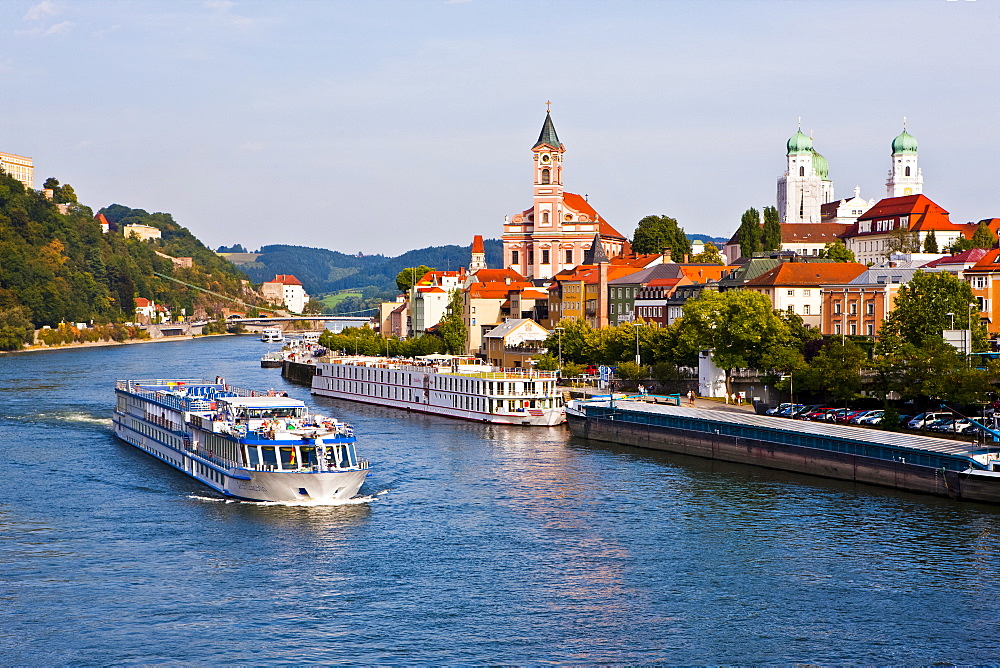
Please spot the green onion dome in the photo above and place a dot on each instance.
(799, 143)
(904, 143)
(820, 166)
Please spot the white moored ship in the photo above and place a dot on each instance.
(241, 443)
(459, 387)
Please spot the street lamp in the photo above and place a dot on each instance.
(639, 363)
(952, 319)
(560, 331)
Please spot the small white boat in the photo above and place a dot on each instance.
(272, 335)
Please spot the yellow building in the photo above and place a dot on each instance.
(20, 167)
(141, 232)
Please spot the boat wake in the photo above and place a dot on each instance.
(74, 417)
(353, 501)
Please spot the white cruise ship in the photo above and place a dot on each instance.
(458, 387)
(242, 443)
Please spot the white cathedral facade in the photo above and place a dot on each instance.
(806, 186)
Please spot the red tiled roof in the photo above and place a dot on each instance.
(902, 206)
(141, 302)
(578, 203)
(972, 255)
(809, 273)
(812, 232)
(533, 294)
(285, 279)
(501, 275)
(477, 244)
(101, 219)
(988, 263)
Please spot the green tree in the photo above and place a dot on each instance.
(836, 370)
(749, 233)
(15, 328)
(983, 237)
(710, 255)
(631, 371)
(838, 252)
(654, 233)
(930, 243)
(737, 325)
(771, 237)
(932, 302)
(579, 341)
(902, 240)
(406, 278)
(959, 245)
(452, 327)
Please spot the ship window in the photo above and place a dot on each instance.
(268, 457)
(253, 456)
(289, 458)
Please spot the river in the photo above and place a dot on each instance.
(481, 544)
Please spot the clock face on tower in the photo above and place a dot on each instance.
(545, 157)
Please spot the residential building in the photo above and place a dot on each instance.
(287, 290)
(558, 229)
(796, 287)
(858, 307)
(429, 298)
(20, 167)
(149, 312)
(880, 228)
(803, 239)
(651, 304)
(958, 264)
(514, 343)
(845, 211)
(984, 278)
(483, 302)
(681, 295)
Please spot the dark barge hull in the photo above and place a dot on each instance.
(970, 486)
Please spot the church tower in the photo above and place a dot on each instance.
(478, 259)
(555, 232)
(806, 183)
(905, 177)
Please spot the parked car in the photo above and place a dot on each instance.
(790, 411)
(924, 419)
(817, 413)
(860, 415)
(777, 409)
(871, 417)
(808, 408)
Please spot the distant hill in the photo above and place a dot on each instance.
(718, 241)
(323, 271)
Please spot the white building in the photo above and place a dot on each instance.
(20, 167)
(429, 298)
(141, 232)
(286, 289)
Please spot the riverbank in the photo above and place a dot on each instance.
(107, 344)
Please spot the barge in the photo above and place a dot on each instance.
(955, 469)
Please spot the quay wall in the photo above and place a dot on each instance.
(297, 372)
(842, 466)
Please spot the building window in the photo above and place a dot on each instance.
(547, 178)
(791, 309)
(806, 309)
(531, 257)
(836, 308)
(870, 307)
(907, 170)
(514, 257)
(870, 330)
(545, 217)
(569, 256)
(791, 293)
(854, 308)
(545, 257)
(979, 282)
(807, 293)
(854, 329)
(836, 328)
(802, 171)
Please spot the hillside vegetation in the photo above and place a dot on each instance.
(324, 271)
(57, 267)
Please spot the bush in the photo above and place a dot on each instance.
(631, 371)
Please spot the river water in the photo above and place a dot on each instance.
(480, 544)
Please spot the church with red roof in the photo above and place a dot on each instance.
(559, 228)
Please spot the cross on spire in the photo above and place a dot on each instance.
(904, 123)
(548, 106)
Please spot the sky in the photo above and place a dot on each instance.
(380, 126)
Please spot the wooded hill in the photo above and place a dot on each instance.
(324, 271)
(57, 267)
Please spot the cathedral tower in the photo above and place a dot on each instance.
(905, 177)
(805, 185)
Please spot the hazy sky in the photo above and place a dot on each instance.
(381, 126)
